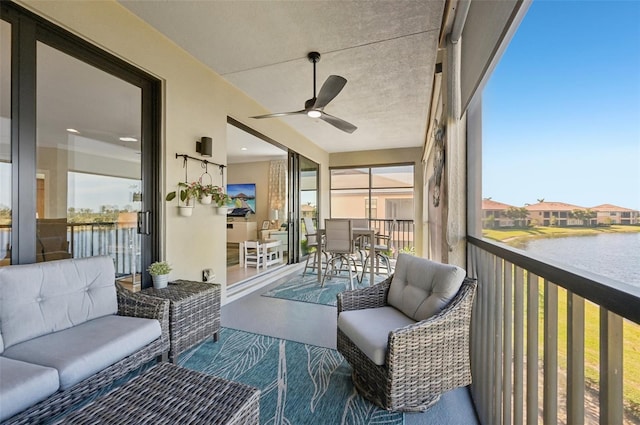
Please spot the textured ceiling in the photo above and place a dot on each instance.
(385, 49)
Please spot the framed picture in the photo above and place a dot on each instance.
(265, 224)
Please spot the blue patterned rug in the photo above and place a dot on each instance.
(300, 383)
(298, 287)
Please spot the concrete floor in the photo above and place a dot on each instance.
(316, 324)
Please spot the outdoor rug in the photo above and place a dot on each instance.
(299, 287)
(300, 383)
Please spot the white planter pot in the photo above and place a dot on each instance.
(186, 210)
(222, 210)
(160, 280)
(206, 200)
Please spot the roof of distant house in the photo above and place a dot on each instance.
(611, 208)
(553, 206)
(488, 204)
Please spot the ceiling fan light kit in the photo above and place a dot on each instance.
(314, 107)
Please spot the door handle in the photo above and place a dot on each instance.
(144, 222)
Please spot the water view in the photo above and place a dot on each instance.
(616, 256)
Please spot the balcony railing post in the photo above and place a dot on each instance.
(496, 361)
(550, 397)
(532, 349)
(518, 348)
(507, 356)
(575, 359)
(611, 404)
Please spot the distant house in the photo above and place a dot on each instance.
(494, 214)
(613, 214)
(553, 214)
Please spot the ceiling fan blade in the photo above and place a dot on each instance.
(330, 89)
(338, 123)
(280, 114)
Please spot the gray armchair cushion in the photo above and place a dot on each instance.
(79, 352)
(23, 385)
(37, 299)
(422, 288)
(369, 329)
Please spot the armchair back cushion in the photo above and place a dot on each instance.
(422, 288)
(38, 299)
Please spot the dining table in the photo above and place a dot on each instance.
(356, 232)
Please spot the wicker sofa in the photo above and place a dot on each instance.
(66, 331)
(407, 338)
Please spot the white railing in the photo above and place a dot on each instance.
(547, 343)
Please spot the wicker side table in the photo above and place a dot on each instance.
(170, 394)
(194, 313)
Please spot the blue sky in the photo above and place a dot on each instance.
(561, 113)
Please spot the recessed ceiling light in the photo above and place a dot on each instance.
(128, 139)
(243, 149)
(72, 130)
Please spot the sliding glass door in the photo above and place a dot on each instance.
(303, 202)
(82, 154)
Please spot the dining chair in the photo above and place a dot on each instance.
(381, 247)
(312, 243)
(253, 254)
(338, 243)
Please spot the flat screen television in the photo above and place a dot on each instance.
(243, 199)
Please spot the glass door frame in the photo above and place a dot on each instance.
(27, 29)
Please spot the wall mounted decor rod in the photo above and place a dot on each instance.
(203, 161)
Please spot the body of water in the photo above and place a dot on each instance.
(614, 255)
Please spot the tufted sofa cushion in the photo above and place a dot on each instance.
(37, 299)
(422, 288)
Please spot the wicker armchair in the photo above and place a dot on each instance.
(422, 360)
(129, 304)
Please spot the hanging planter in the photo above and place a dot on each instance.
(185, 210)
(222, 210)
(188, 192)
(206, 199)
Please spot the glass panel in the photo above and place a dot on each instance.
(88, 163)
(5, 143)
(400, 176)
(349, 178)
(349, 203)
(308, 198)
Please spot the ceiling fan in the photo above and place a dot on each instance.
(314, 107)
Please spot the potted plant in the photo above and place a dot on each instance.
(221, 199)
(188, 193)
(159, 272)
(207, 192)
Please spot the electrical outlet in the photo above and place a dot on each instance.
(208, 275)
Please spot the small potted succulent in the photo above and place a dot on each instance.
(189, 192)
(159, 272)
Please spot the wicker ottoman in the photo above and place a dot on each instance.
(194, 313)
(170, 394)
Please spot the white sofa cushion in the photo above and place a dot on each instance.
(23, 385)
(37, 299)
(83, 350)
(421, 288)
(369, 329)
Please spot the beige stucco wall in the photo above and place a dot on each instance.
(196, 102)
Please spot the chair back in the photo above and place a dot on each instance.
(360, 223)
(311, 232)
(338, 235)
